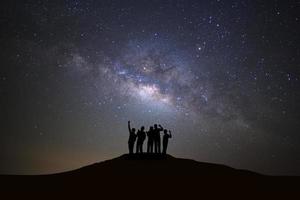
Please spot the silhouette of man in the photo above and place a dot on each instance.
(141, 136)
(150, 140)
(132, 138)
(166, 140)
(156, 134)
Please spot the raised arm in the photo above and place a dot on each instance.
(170, 133)
(160, 127)
(129, 128)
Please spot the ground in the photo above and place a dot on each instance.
(149, 175)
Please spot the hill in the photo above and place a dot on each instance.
(157, 165)
(154, 174)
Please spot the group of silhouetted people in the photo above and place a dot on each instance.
(153, 135)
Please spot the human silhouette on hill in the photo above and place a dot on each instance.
(141, 136)
(132, 138)
(157, 137)
(150, 135)
(166, 140)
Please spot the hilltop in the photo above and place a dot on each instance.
(150, 174)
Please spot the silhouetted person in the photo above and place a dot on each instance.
(150, 135)
(166, 140)
(132, 138)
(156, 134)
(141, 136)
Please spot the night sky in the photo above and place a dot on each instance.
(224, 76)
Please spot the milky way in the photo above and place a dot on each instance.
(155, 75)
(222, 75)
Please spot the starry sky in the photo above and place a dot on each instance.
(222, 75)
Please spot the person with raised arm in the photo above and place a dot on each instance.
(166, 138)
(156, 134)
(132, 138)
(141, 136)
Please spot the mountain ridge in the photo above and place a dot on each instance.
(162, 162)
(153, 174)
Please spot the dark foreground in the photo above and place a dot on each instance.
(153, 176)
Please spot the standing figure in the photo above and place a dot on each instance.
(166, 140)
(132, 138)
(157, 137)
(141, 136)
(150, 135)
